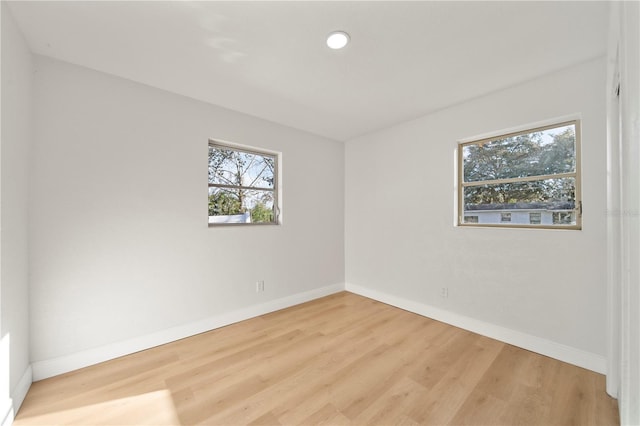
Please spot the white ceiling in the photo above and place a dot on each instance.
(269, 59)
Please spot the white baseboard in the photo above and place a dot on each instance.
(53, 367)
(532, 343)
(7, 413)
(12, 405)
(20, 391)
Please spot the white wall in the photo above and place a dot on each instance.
(623, 376)
(120, 246)
(549, 285)
(15, 373)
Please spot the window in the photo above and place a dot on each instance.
(242, 185)
(560, 218)
(471, 219)
(535, 218)
(532, 174)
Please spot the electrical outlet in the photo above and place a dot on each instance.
(444, 292)
(259, 286)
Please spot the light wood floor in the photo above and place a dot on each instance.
(343, 359)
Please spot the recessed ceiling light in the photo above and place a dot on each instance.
(337, 39)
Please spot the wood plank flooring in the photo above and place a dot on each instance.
(339, 360)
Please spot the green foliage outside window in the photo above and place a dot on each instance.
(241, 182)
(518, 157)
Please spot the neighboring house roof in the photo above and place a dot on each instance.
(559, 205)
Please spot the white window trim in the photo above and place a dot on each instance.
(540, 126)
(277, 190)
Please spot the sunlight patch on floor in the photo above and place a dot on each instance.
(153, 408)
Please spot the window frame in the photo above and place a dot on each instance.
(277, 220)
(538, 219)
(576, 175)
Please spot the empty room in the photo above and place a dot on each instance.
(320, 212)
